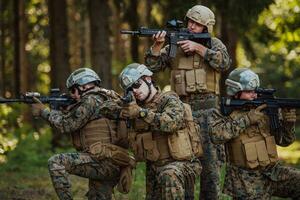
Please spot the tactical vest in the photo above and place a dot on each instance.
(191, 75)
(255, 147)
(185, 144)
(103, 137)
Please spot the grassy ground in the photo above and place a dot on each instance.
(24, 176)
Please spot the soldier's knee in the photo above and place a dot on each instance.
(54, 161)
(168, 177)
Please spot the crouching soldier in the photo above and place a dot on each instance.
(253, 170)
(102, 155)
(165, 136)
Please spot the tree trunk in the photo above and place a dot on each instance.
(133, 21)
(16, 48)
(119, 50)
(230, 38)
(59, 44)
(2, 49)
(59, 52)
(100, 46)
(25, 71)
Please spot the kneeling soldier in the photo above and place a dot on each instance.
(165, 136)
(253, 170)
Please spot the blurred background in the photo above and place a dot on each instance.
(42, 41)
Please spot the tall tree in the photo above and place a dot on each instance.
(99, 12)
(59, 44)
(59, 51)
(17, 61)
(2, 49)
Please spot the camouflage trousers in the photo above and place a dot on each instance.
(103, 175)
(213, 155)
(277, 181)
(174, 180)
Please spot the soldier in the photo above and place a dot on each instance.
(253, 170)
(165, 136)
(195, 76)
(101, 153)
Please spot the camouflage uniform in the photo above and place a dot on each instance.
(217, 60)
(167, 178)
(261, 182)
(103, 174)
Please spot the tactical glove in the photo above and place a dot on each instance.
(37, 107)
(125, 182)
(289, 115)
(130, 111)
(255, 115)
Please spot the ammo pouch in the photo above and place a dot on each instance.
(257, 151)
(180, 146)
(145, 148)
(118, 155)
(186, 144)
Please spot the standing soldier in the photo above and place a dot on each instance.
(253, 171)
(165, 136)
(101, 157)
(195, 76)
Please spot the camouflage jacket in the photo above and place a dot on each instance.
(217, 57)
(165, 115)
(92, 105)
(223, 128)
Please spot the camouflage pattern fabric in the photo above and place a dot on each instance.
(174, 180)
(169, 179)
(91, 106)
(169, 115)
(262, 183)
(212, 159)
(218, 58)
(277, 181)
(103, 175)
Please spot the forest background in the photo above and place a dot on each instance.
(42, 41)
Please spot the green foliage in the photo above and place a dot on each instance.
(274, 44)
(32, 152)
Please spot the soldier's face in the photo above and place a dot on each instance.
(74, 93)
(248, 95)
(195, 27)
(142, 91)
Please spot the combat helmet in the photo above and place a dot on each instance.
(202, 15)
(82, 76)
(131, 73)
(241, 79)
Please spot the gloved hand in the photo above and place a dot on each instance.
(289, 115)
(255, 115)
(130, 111)
(125, 182)
(37, 107)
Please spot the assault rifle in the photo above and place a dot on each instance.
(265, 96)
(55, 100)
(175, 33)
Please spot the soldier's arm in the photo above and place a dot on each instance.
(76, 118)
(157, 62)
(169, 119)
(217, 56)
(222, 128)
